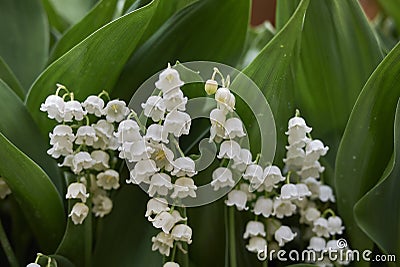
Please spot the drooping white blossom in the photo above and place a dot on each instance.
(142, 171)
(175, 101)
(163, 243)
(182, 232)
(79, 212)
(263, 206)
(54, 106)
(284, 235)
(77, 190)
(102, 205)
(222, 177)
(156, 206)
(116, 110)
(100, 160)
(128, 131)
(73, 110)
(283, 208)
(254, 228)
(169, 80)
(184, 166)
(229, 150)
(104, 132)
(156, 133)
(94, 105)
(335, 225)
(321, 227)
(225, 99)
(160, 183)
(86, 135)
(109, 179)
(154, 108)
(81, 161)
(177, 123)
(237, 198)
(256, 244)
(317, 243)
(171, 264)
(243, 160)
(326, 193)
(184, 187)
(273, 176)
(61, 138)
(255, 175)
(217, 129)
(234, 128)
(164, 221)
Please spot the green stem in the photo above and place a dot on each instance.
(232, 239)
(7, 247)
(173, 252)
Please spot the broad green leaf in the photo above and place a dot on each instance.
(392, 8)
(194, 33)
(378, 212)
(101, 14)
(35, 194)
(270, 70)
(24, 38)
(72, 10)
(92, 65)
(366, 146)
(131, 5)
(338, 52)
(9, 78)
(17, 125)
(57, 22)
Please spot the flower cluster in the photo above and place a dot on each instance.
(297, 191)
(85, 140)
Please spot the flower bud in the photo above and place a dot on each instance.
(211, 87)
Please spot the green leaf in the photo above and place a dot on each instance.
(337, 54)
(9, 78)
(92, 65)
(363, 153)
(270, 70)
(194, 33)
(35, 193)
(17, 125)
(24, 38)
(57, 22)
(378, 212)
(101, 14)
(72, 10)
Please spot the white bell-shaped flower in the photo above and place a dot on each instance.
(175, 101)
(168, 80)
(77, 190)
(244, 187)
(78, 213)
(234, 128)
(61, 138)
(273, 176)
(102, 205)
(312, 169)
(225, 99)
(289, 192)
(156, 133)
(229, 150)
(73, 110)
(283, 208)
(294, 158)
(222, 177)
(314, 186)
(184, 166)
(317, 243)
(217, 129)
(128, 131)
(116, 110)
(263, 206)
(100, 160)
(54, 106)
(310, 215)
(154, 108)
(184, 187)
(178, 123)
(321, 227)
(156, 206)
(335, 225)
(160, 183)
(104, 131)
(297, 129)
(182, 232)
(4, 189)
(256, 244)
(163, 157)
(108, 180)
(284, 235)
(326, 193)
(244, 159)
(254, 228)
(164, 221)
(303, 191)
(142, 171)
(163, 243)
(332, 245)
(33, 265)
(237, 198)
(314, 150)
(94, 105)
(86, 135)
(81, 161)
(135, 151)
(255, 175)
(211, 87)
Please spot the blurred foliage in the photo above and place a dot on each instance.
(324, 58)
